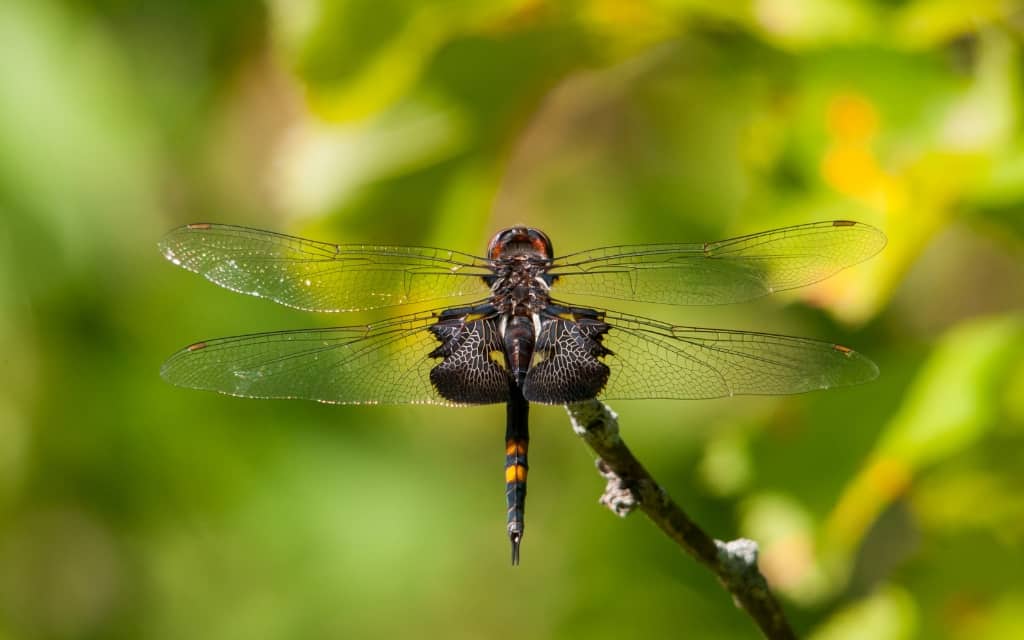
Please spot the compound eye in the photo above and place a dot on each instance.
(499, 242)
(541, 243)
(517, 241)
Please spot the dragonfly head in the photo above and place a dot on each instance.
(516, 241)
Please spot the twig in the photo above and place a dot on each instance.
(631, 487)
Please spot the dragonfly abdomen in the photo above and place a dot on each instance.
(517, 441)
(519, 341)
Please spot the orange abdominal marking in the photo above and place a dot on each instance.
(514, 448)
(515, 473)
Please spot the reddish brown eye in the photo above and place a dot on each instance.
(497, 244)
(541, 243)
(519, 240)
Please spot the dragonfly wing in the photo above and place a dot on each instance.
(651, 359)
(568, 361)
(726, 271)
(583, 353)
(391, 362)
(319, 276)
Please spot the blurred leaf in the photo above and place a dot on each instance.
(360, 56)
(726, 467)
(808, 23)
(1004, 619)
(75, 146)
(785, 531)
(947, 409)
(924, 23)
(322, 166)
(948, 502)
(889, 614)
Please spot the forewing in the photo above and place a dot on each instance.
(651, 359)
(319, 276)
(386, 363)
(720, 272)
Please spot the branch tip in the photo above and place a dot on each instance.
(630, 487)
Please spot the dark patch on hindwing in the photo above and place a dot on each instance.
(568, 366)
(467, 374)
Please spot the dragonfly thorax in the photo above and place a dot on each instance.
(520, 287)
(520, 258)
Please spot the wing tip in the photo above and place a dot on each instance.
(167, 369)
(879, 239)
(867, 370)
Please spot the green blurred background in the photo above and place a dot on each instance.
(132, 509)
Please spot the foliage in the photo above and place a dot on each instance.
(134, 509)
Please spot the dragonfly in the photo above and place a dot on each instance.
(512, 326)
